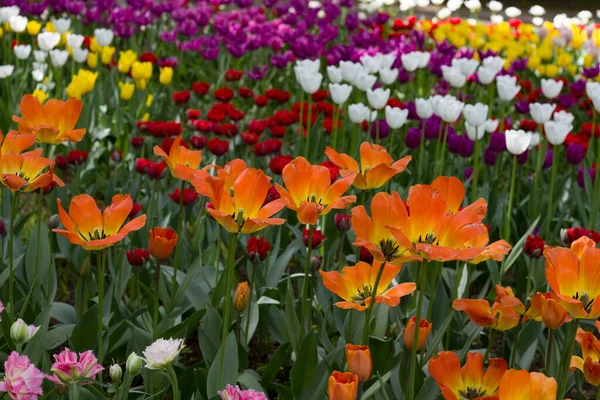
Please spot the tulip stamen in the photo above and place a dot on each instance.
(390, 249)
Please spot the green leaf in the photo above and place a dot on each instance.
(275, 364)
(58, 336)
(85, 332)
(306, 363)
(35, 347)
(43, 257)
(291, 319)
(517, 249)
(374, 388)
(226, 365)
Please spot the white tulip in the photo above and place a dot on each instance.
(395, 117)
(40, 65)
(422, 3)
(437, 2)
(535, 139)
(358, 113)
(74, 40)
(453, 76)
(551, 88)
(350, 70)
(495, 6)
(564, 117)
(537, 21)
(424, 108)
(387, 60)
(406, 5)
(388, 76)
(372, 64)
(507, 87)
(592, 88)
(378, 98)
(537, 11)
(424, 57)
(37, 75)
(517, 142)
(475, 132)
(309, 65)
(103, 36)
(444, 13)
(7, 12)
(61, 25)
(476, 114)
(496, 18)
(309, 81)
(585, 16)
(334, 74)
(454, 5)
(40, 56)
(512, 12)
(473, 5)
(6, 71)
(22, 51)
(410, 61)
(17, 23)
(80, 55)
(48, 40)
(59, 57)
(494, 63)
(491, 125)
(450, 110)
(339, 92)
(485, 75)
(437, 102)
(364, 81)
(467, 66)
(541, 113)
(556, 132)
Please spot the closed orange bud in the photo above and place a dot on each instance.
(359, 361)
(591, 372)
(161, 242)
(342, 386)
(547, 307)
(409, 333)
(241, 297)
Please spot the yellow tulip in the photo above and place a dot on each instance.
(166, 75)
(141, 70)
(94, 46)
(564, 60)
(149, 100)
(33, 28)
(1, 32)
(572, 69)
(126, 58)
(146, 117)
(588, 60)
(551, 70)
(40, 95)
(92, 60)
(50, 27)
(107, 54)
(126, 89)
(141, 84)
(82, 83)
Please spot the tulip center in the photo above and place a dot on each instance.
(584, 298)
(45, 132)
(364, 292)
(430, 238)
(472, 393)
(96, 235)
(390, 249)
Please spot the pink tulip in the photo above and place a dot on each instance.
(67, 369)
(22, 380)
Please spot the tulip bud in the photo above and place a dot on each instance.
(134, 364)
(315, 263)
(116, 373)
(342, 386)
(342, 222)
(2, 228)
(22, 333)
(409, 333)
(241, 296)
(53, 221)
(316, 235)
(359, 361)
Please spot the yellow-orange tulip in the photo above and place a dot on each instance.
(181, 162)
(524, 385)
(359, 361)
(161, 242)
(409, 332)
(342, 386)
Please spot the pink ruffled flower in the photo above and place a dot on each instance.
(67, 369)
(235, 393)
(22, 380)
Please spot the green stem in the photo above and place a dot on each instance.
(443, 150)
(176, 257)
(549, 345)
(218, 257)
(367, 327)
(74, 391)
(156, 297)
(174, 382)
(421, 154)
(101, 269)
(475, 170)
(551, 194)
(229, 270)
(566, 360)
(516, 344)
(413, 354)
(490, 342)
(252, 280)
(305, 282)
(510, 198)
(11, 267)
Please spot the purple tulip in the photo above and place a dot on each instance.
(548, 160)
(489, 157)
(468, 172)
(384, 129)
(497, 142)
(581, 178)
(575, 153)
(432, 127)
(413, 138)
(522, 158)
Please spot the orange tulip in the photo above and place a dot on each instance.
(24, 172)
(590, 349)
(500, 317)
(377, 166)
(355, 285)
(52, 123)
(573, 276)
(87, 226)
(241, 296)
(373, 233)
(359, 361)
(547, 307)
(409, 332)
(229, 173)
(181, 161)
(161, 242)
(342, 386)
(309, 192)
(431, 225)
(470, 381)
(240, 209)
(15, 143)
(523, 385)
(506, 296)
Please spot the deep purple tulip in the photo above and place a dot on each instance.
(575, 153)
(497, 142)
(522, 106)
(432, 127)
(581, 178)
(467, 173)
(466, 146)
(413, 138)
(489, 157)
(522, 158)
(384, 129)
(548, 160)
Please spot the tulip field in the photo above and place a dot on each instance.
(293, 199)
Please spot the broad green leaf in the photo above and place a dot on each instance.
(306, 364)
(224, 369)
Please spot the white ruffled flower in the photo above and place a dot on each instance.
(162, 353)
